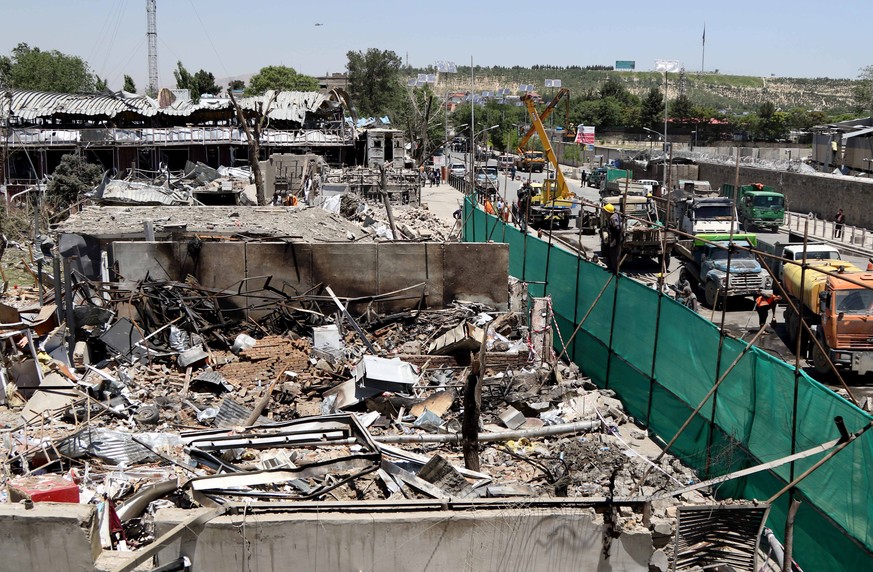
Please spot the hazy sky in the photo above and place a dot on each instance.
(800, 38)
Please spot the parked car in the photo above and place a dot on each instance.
(486, 179)
(458, 169)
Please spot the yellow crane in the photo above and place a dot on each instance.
(560, 191)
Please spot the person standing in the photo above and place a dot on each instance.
(436, 176)
(524, 193)
(512, 172)
(614, 233)
(764, 303)
(839, 220)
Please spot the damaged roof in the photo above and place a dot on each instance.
(28, 106)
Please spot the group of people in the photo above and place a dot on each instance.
(433, 176)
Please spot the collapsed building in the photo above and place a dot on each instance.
(149, 144)
(302, 376)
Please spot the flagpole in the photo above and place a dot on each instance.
(703, 51)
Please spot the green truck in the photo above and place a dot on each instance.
(758, 206)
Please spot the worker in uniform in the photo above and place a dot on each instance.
(764, 303)
(524, 193)
(614, 232)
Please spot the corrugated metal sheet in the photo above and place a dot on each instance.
(31, 105)
(129, 192)
(111, 446)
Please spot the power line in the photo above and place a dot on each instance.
(208, 37)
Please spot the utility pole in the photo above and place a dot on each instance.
(152, 35)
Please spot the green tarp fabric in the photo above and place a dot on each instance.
(662, 359)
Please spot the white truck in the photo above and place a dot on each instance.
(709, 215)
(794, 251)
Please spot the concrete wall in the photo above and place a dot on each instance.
(505, 540)
(450, 271)
(49, 537)
(820, 194)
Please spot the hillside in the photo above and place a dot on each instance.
(737, 93)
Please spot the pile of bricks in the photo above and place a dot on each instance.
(269, 357)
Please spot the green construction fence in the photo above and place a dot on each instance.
(662, 359)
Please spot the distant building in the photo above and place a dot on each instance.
(333, 81)
(121, 131)
(845, 145)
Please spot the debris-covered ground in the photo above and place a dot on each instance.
(166, 394)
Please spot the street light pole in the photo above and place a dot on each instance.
(664, 172)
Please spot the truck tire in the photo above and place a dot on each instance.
(820, 361)
(711, 293)
(791, 326)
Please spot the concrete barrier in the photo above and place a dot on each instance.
(505, 540)
(49, 537)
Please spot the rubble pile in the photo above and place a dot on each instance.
(173, 189)
(168, 395)
(412, 222)
(282, 223)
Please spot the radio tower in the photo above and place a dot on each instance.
(152, 35)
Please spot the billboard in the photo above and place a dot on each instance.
(625, 65)
(585, 135)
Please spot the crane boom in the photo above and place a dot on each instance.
(544, 115)
(562, 191)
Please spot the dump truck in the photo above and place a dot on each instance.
(531, 161)
(839, 310)
(706, 215)
(758, 206)
(706, 265)
(794, 251)
(644, 235)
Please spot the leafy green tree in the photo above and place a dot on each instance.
(802, 120)
(862, 92)
(280, 78)
(236, 85)
(100, 84)
(681, 108)
(652, 109)
(615, 89)
(71, 178)
(197, 84)
(129, 85)
(374, 81)
(610, 112)
(33, 69)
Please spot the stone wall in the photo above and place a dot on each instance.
(820, 194)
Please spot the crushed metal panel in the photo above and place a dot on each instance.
(232, 414)
(714, 535)
(385, 374)
(319, 476)
(465, 337)
(114, 447)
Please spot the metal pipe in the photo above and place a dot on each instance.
(561, 429)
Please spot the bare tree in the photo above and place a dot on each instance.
(253, 134)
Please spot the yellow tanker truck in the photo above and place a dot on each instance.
(839, 311)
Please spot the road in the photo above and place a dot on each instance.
(740, 319)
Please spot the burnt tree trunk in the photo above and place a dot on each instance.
(254, 142)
